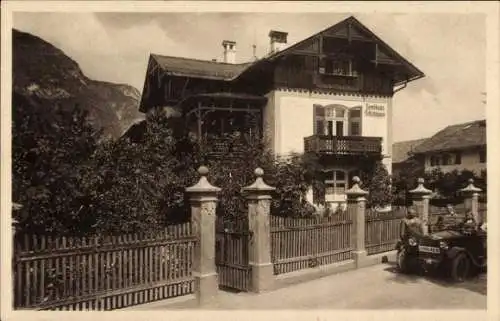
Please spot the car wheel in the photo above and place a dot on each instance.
(460, 268)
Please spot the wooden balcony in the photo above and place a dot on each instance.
(345, 145)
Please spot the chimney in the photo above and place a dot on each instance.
(278, 40)
(229, 51)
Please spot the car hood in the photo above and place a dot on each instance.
(445, 235)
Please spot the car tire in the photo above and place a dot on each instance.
(460, 268)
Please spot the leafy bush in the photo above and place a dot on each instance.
(446, 185)
(49, 148)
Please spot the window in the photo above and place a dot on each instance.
(482, 156)
(336, 184)
(446, 159)
(339, 67)
(435, 160)
(329, 120)
(458, 158)
(339, 112)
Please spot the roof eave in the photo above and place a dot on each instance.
(438, 150)
(416, 77)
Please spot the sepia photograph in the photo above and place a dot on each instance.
(216, 160)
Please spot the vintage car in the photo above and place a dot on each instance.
(456, 252)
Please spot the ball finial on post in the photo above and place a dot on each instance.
(420, 190)
(203, 170)
(258, 186)
(203, 186)
(356, 191)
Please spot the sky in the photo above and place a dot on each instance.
(449, 48)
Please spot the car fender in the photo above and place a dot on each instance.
(454, 251)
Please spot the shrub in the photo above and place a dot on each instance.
(49, 147)
(446, 185)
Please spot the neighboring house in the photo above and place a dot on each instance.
(402, 155)
(330, 94)
(457, 147)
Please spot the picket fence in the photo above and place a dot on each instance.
(102, 273)
(301, 243)
(382, 229)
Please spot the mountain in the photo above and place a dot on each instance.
(44, 75)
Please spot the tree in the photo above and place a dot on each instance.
(379, 186)
(49, 146)
(138, 185)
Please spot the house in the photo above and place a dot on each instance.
(456, 147)
(403, 157)
(330, 94)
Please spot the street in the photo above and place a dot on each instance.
(375, 287)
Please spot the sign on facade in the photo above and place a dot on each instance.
(375, 110)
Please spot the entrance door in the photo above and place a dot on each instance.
(330, 128)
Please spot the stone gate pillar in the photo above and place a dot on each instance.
(356, 205)
(258, 196)
(471, 200)
(421, 197)
(203, 201)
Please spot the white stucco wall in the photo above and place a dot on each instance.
(289, 117)
(470, 161)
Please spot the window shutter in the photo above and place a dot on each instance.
(319, 119)
(354, 121)
(320, 127)
(319, 111)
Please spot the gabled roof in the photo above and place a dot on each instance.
(179, 66)
(401, 151)
(224, 71)
(414, 72)
(455, 137)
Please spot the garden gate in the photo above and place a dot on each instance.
(232, 236)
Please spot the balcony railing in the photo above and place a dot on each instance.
(343, 145)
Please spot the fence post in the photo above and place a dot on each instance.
(471, 200)
(356, 203)
(421, 197)
(258, 196)
(203, 201)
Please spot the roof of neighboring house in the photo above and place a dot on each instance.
(401, 150)
(179, 66)
(224, 71)
(455, 137)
